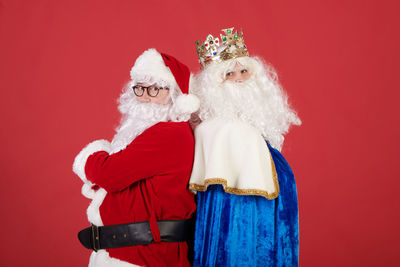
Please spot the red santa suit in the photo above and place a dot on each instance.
(145, 181)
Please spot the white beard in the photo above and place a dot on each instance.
(259, 101)
(235, 101)
(135, 120)
(243, 101)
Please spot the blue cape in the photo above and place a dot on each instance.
(233, 230)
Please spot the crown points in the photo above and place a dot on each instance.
(212, 50)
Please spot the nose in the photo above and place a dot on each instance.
(146, 97)
(237, 77)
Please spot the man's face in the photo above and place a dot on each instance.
(239, 74)
(161, 98)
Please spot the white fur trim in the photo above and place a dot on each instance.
(87, 190)
(101, 258)
(187, 103)
(93, 211)
(80, 160)
(150, 68)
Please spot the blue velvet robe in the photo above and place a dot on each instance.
(234, 230)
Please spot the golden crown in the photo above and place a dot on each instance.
(211, 50)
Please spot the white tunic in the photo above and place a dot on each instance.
(234, 154)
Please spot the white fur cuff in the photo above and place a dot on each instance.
(80, 160)
(87, 190)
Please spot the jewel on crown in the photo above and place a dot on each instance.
(212, 50)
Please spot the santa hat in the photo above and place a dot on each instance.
(152, 67)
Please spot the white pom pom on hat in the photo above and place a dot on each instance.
(187, 103)
(163, 69)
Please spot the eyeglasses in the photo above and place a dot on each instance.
(152, 90)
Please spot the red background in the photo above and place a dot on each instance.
(63, 64)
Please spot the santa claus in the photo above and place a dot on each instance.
(141, 206)
(247, 202)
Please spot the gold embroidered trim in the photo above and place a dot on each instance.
(274, 175)
(237, 191)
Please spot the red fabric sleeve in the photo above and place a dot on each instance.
(156, 151)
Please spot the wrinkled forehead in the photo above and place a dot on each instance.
(147, 80)
(147, 84)
(239, 63)
(216, 72)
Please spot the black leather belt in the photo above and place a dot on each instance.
(132, 234)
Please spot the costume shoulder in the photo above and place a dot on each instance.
(173, 131)
(173, 139)
(235, 130)
(172, 127)
(233, 153)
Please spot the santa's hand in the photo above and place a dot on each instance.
(89, 190)
(95, 187)
(194, 120)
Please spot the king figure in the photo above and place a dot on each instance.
(247, 213)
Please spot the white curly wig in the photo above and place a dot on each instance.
(136, 117)
(260, 100)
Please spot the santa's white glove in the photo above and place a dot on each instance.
(80, 162)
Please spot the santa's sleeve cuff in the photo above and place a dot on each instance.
(80, 160)
(87, 190)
